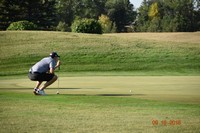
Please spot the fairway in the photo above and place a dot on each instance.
(170, 88)
(100, 66)
(110, 83)
(103, 104)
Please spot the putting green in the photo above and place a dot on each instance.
(102, 104)
(166, 88)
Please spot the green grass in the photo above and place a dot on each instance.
(22, 112)
(95, 81)
(137, 53)
(102, 104)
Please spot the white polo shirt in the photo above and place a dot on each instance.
(43, 65)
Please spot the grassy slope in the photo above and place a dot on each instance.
(140, 53)
(164, 54)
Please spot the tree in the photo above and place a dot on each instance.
(65, 11)
(153, 10)
(142, 20)
(40, 12)
(89, 8)
(11, 11)
(182, 13)
(168, 15)
(121, 12)
(107, 25)
(154, 18)
(49, 16)
(197, 14)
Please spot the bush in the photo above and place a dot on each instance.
(22, 25)
(107, 25)
(62, 26)
(86, 26)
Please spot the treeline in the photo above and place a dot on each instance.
(153, 15)
(168, 16)
(48, 14)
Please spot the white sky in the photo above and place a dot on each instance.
(136, 3)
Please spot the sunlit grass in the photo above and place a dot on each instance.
(137, 52)
(79, 113)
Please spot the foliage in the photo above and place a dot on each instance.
(168, 15)
(62, 26)
(46, 14)
(142, 18)
(153, 11)
(22, 25)
(93, 9)
(86, 26)
(167, 24)
(89, 8)
(154, 25)
(40, 12)
(120, 12)
(107, 25)
(65, 11)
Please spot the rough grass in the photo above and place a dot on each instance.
(139, 53)
(21, 112)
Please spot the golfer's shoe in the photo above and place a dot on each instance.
(41, 92)
(35, 91)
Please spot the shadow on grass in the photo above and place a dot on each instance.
(63, 88)
(78, 94)
(46, 88)
(109, 95)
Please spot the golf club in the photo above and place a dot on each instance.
(58, 81)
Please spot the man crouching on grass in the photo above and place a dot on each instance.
(44, 71)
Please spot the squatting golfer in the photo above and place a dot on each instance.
(44, 71)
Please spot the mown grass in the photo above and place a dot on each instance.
(110, 54)
(22, 112)
(133, 53)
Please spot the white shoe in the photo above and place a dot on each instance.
(35, 91)
(41, 92)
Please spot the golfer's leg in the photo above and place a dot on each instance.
(38, 84)
(49, 82)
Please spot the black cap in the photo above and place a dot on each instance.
(54, 54)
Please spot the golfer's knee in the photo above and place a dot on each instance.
(55, 77)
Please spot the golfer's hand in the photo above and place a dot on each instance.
(58, 64)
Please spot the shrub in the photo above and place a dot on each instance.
(107, 25)
(86, 26)
(62, 26)
(22, 25)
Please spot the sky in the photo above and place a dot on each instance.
(136, 3)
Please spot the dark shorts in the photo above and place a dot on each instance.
(40, 76)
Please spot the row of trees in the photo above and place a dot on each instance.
(152, 15)
(47, 14)
(168, 16)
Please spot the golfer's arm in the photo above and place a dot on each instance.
(58, 65)
(51, 71)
